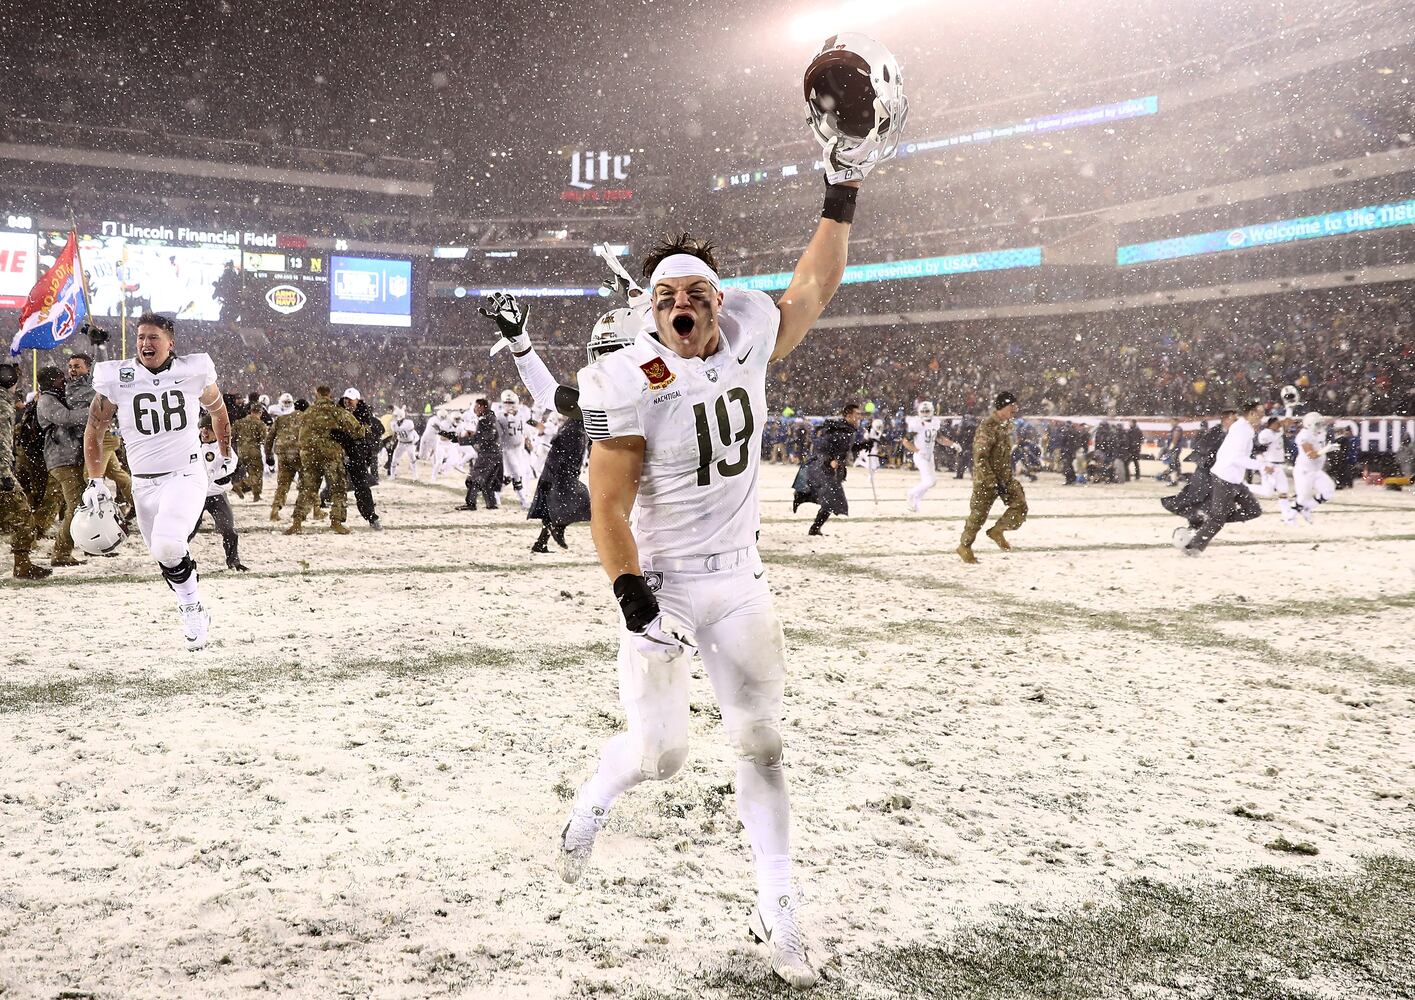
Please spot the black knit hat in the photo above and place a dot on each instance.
(1004, 398)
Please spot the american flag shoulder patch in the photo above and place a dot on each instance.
(596, 424)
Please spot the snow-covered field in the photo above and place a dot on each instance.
(356, 789)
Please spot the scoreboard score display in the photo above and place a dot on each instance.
(284, 287)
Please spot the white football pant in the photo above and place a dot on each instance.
(168, 508)
(1313, 487)
(725, 601)
(402, 451)
(927, 477)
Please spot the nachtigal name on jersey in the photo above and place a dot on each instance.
(701, 421)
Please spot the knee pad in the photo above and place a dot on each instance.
(179, 572)
(668, 763)
(169, 551)
(761, 744)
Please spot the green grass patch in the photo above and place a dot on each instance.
(1270, 934)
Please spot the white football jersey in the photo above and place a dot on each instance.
(157, 411)
(219, 468)
(1317, 441)
(1270, 446)
(513, 422)
(925, 431)
(406, 431)
(701, 421)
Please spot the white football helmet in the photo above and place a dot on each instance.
(612, 331)
(509, 396)
(399, 413)
(1290, 395)
(287, 400)
(96, 528)
(855, 104)
(1312, 420)
(925, 408)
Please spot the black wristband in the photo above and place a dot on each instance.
(636, 601)
(839, 203)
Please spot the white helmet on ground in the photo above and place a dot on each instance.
(96, 528)
(1312, 419)
(612, 331)
(509, 396)
(925, 408)
(855, 100)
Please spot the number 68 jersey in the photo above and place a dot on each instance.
(158, 411)
(701, 420)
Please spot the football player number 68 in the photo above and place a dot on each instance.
(150, 420)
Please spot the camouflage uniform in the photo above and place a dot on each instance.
(248, 433)
(15, 513)
(321, 457)
(993, 478)
(282, 440)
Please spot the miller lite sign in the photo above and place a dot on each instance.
(589, 170)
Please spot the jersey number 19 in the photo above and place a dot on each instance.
(725, 433)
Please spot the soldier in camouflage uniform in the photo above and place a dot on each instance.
(15, 513)
(282, 440)
(993, 479)
(248, 434)
(321, 457)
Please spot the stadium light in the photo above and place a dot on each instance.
(856, 15)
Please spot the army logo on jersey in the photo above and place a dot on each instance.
(654, 581)
(656, 371)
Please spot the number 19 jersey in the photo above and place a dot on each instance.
(158, 411)
(701, 420)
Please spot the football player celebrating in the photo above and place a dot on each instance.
(926, 430)
(512, 419)
(156, 396)
(676, 423)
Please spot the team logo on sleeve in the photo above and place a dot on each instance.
(656, 371)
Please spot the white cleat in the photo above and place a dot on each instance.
(577, 840)
(913, 505)
(195, 623)
(779, 931)
(1306, 513)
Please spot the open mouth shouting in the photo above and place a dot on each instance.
(684, 323)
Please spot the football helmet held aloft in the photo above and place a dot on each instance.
(612, 331)
(855, 104)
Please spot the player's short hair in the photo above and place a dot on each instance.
(850, 408)
(323, 391)
(81, 356)
(1256, 404)
(683, 243)
(157, 320)
(1227, 412)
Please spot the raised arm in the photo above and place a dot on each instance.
(100, 416)
(214, 404)
(819, 270)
